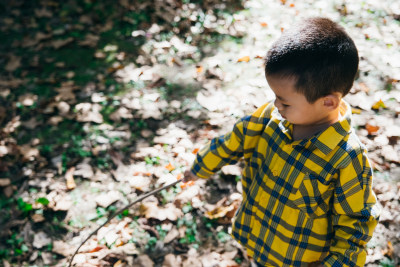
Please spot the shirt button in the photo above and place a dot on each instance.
(275, 172)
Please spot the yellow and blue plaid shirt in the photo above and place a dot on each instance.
(303, 201)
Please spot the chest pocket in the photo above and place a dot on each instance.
(313, 195)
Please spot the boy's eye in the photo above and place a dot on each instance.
(285, 105)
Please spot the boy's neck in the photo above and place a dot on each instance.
(306, 131)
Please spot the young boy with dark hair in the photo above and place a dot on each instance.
(307, 196)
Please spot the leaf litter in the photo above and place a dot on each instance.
(89, 140)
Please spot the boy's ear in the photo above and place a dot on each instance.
(332, 101)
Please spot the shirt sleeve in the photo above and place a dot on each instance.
(220, 151)
(354, 213)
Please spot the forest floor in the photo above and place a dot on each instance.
(102, 101)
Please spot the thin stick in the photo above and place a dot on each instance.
(120, 211)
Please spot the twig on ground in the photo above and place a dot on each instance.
(120, 211)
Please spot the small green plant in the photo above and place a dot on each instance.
(223, 237)
(123, 214)
(16, 245)
(169, 195)
(152, 160)
(386, 262)
(151, 243)
(42, 200)
(76, 223)
(238, 260)
(190, 232)
(187, 207)
(161, 232)
(24, 206)
(209, 223)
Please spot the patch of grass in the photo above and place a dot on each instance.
(171, 91)
(16, 246)
(24, 206)
(170, 194)
(152, 160)
(223, 237)
(42, 200)
(386, 262)
(190, 232)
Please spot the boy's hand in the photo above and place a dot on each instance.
(189, 176)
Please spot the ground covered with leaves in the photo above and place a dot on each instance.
(102, 101)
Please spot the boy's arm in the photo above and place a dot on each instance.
(220, 151)
(355, 213)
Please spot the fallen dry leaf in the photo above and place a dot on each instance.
(172, 234)
(223, 210)
(84, 169)
(12, 83)
(187, 184)
(111, 237)
(165, 178)
(211, 102)
(388, 251)
(172, 260)
(244, 59)
(378, 105)
(128, 249)
(40, 240)
(355, 110)
(143, 261)
(152, 210)
(62, 248)
(29, 153)
(40, 36)
(91, 40)
(37, 218)
(5, 182)
(88, 112)
(192, 261)
(27, 99)
(13, 63)
(219, 212)
(121, 113)
(8, 191)
(69, 178)
(57, 44)
(3, 151)
(392, 130)
(65, 92)
(105, 200)
(97, 248)
(390, 154)
(43, 13)
(372, 129)
(140, 182)
(170, 167)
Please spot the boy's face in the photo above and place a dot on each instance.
(294, 107)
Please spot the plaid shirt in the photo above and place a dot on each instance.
(303, 201)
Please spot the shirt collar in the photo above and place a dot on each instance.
(326, 140)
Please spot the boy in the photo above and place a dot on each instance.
(307, 197)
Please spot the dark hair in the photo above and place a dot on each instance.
(319, 54)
